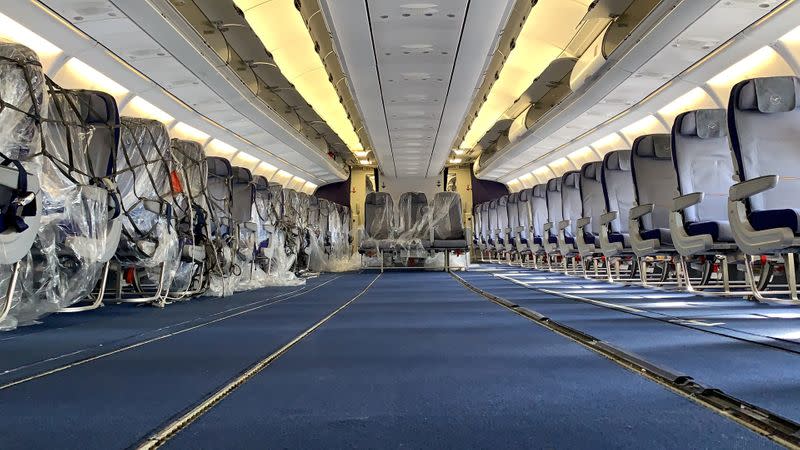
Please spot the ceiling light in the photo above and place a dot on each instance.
(282, 31)
(455, 160)
(15, 32)
(361, 154)
(364, 162)
(547, 31)
(183, 131)
(459, 151)
(140, 107)
(89, 78)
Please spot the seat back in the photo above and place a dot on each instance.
(324, 219)
(493, 218)
(763, 118)
(524, 212)
(653, 178)
(261, 209)
(702, 161)
(476, 224)
(513, 212)
(571, 205)
(192, 172)
(313, 213)
(538, 209)
(412, 214)
(618, 188)
(291, 205)
(378, 215)
(243, 195)
(447, 218)
(486, 233)
(502, 215)
(592, 201)
(555, 209)
(220, 196)
(275, 202)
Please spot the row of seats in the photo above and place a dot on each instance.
(92, 202)
(414, 226)
(721, 186)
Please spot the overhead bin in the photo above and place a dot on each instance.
(626, 14)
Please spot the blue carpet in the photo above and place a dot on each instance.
(420, 362)
(754, 373)
(64, 338)
(113, 402)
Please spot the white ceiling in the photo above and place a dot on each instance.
(414, 68)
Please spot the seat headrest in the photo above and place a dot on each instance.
(377, 198)
(770, 94)
(540, 190)
(241, 175)
(502, 201)
(219, 167)
(525, 195)
(571, 179)
(655, 146)
(554, 185)
(618, 160)
(703, 123)
(493, 204)
(413, 198)
(592, 170)
(261, 183)
(97, 107)
(513, 197)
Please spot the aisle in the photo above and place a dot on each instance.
(419, 361)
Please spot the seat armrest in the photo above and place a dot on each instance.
(642, 210)
(608, 217)
(546, 227)
(563, 224)
(583, 221)
(749, 188)
(685, 201)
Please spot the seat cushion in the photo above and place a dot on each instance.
(449, 244)
(590, 238)
(719, 231)
(620, 238)
(537, 240)
(775, 218)
(661, 234)
(552, 239)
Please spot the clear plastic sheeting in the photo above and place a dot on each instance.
(221, 262)
(191, 213)
(74, 159)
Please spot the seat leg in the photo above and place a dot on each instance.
(791, 275)
(9, 297)
(726, 282)
(643, 271)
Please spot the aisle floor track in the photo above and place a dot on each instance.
(66, 338)
(749, 370)
(422, 362)
(115, 401)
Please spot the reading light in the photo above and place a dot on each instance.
(281, 29)
(547, 31)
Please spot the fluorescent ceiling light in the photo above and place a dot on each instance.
(140, 107)
(459, 151)
(455, 160)
(14, 32)
(361, 154)
(547, 31)
(282, 31)
(184, 131)
(364, 161)
(90, 78)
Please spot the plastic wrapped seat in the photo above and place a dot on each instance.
(448, 228)
(149, 249)
(654, 189)
(524, 216)
(70, 211)
(191, 213)
(503, 242)
(493, 241)
(243, 203)
(262, 216)
(378, 222)
(512, 207)
(592, 207)
(701, 158)
(22, 88)
(221, 226)
(539, 218)
(413, 223)
(619, 198)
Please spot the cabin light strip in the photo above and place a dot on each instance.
(545, 34)
(281, 29)
(76, 71)
(701, 96)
